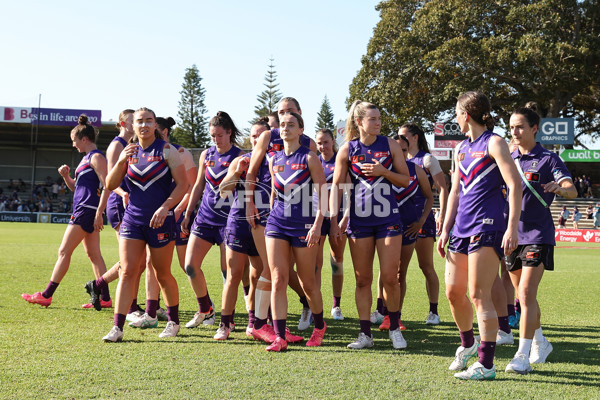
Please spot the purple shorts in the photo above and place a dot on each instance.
(212, 234)
(296, 237)
(428, 230)
(531, 255)
(114, 214)
(241, 243)
(377, 231)
(181, 239)
(262, 217)
(84, 217)
(471, 244)
(154, 237)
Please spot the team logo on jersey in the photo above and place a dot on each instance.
(532, 176)
(478, 154)
(488, 221)
(393, 228)
(162, 236)
(134, 160)
(557, 174)
(461, 157)
(278, 168)
(475, 238)
(296, 167)
(226, 164)
(358, 159)
(531, 255)
(209, 163)
(380, 154)
(534, 164)
(368, 151)
(154, 158)
(277, 147)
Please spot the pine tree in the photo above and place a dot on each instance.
(192, 128)
(270, 97)
(325, 116)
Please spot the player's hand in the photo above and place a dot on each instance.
(251, 213)
(64, 170)
(159, 217)
(98, 222)
(510, 241)
(373, 169)
(441, 244)
(185, 224)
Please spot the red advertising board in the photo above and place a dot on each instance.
(577, 235)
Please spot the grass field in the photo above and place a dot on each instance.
(58, 352)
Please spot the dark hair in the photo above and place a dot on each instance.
(478, 106)
(123, 116)
(83, 129)
(223, 120)
(165, 123)
(298, 118)
(328, 132)
(400, 137)
(530, 112)
(293, 100)
(275, 115)
(415, 130)
(157, 135)
(261, 122)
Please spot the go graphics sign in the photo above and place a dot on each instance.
(556, 131)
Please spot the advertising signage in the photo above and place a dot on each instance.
(580, 155)
(556, 131)
(447, 135)
(48, 116)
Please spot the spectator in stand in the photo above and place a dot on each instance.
(588, 182)
(2, 204)
(597, 216)
(55, 189)
(576, 217)
(563, 217)
(590, 211)
(63, 188)
(577, 183)
(584, 186)
(11, 184)
(21, 185)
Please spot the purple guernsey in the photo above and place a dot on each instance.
(87, 185)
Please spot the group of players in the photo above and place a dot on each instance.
(272, 208)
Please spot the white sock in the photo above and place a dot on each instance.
(262, 300)
(538, 336)
(525, 346)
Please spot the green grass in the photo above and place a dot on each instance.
(58, 352)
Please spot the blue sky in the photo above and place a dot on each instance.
(112, 55)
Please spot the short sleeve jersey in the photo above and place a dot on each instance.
(87, 184)
(481, 202)
(372, 198)
(148, 181)
(540, 166)
(214, 210)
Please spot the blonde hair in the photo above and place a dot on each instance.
(358, 109)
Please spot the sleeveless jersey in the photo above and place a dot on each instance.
(293, 205)
(276, 142)
(236, 221)
(406, 197)
(373, 200)
(328, 167)
(481, 202)
(87, 185)
(114, 199)
(148, 183)
(214, 210)
(419, 159)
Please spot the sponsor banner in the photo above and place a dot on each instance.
(442, 154)
(43, 218)
(446, 144)
(556, 131)
(48, 116)
(340, 133)
(14, 216)
(577, 235)
(580, 155)
(444, 131)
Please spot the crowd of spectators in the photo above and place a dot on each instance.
(583, 184)
(43, 198)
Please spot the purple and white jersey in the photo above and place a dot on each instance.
(236, 221)
(114, 199)
(481, 202)
(148, 183)
(87, 185)
(540, 166)
(372, 197)
(276, 142)
(293, 205)
(214, 210)
(328, 167)
(406, 197)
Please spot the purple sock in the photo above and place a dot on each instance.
(105, 293)
(259, 323)
(433, 308)
(467, 339)
(394, 317)
(158, 304)
(380, 305)
(204, 303)
(319, 322)
(232, 315)
(100, 283)
(225, 319)
(120, 320)
(50, 289)
(246, 290)
(173, 313)
(518, 306)
(251, 317)
(279, 325)
(304, 302)
(337, 300)
(365, 327)
(134, 306)
(151, 307)
(511, 309)
(486, 354)
(503, 324)
(385, 311)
